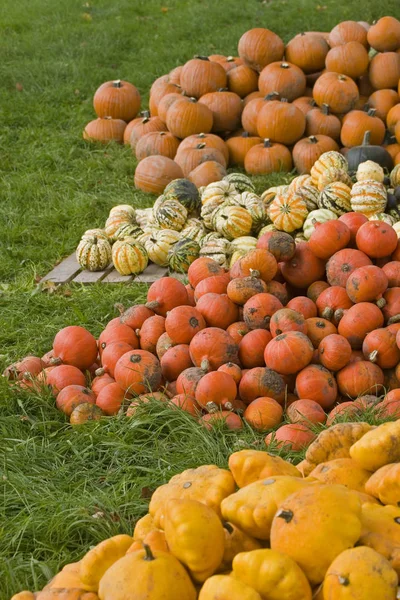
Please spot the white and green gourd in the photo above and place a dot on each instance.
(194, 229)
(219, 249)
(368, 197)
(159, 243)
(232, 221)
(317, 216)
(185, 192)
(144, 217)
(93, 252)
(336, 197)
(182, 254)
(171, 215)
(241, 182)
(127, 230)
(129, 257)
(310, 195)
(370, 170)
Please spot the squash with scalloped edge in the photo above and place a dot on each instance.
(100, 558)
(384, 484)
(378, 447)
(248, 466)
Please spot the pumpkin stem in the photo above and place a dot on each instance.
(205, 365)
(342, 78)
(286, 515)
(192, 99)
(343, 580)
(271, 95)
(227, 526)
(285, 65)
(163, 133)
(200, 146)
(313, 139)
(119, 307)
(373, 356)
(338, 314)
(99, 372)
(145, 113)
(366, 138)
(135, 358)
(325, 109)
(284, 100)
(371, 112)
(223, 89)
(149, 555)
(267, 143)
(230, 58)
(152, 305)
(201, 135)
(54, 362)
(201, 57)
(381, 302)
(117, 83)
(394, 319)
(328, 313)
(254, 273)
(245, 134)
(228, 406)
(211, 407)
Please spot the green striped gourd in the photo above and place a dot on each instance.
(93, 253)
(395, 176)
(300, 237)
(288, 211)
(129, 257)
(127, 230)
(237, 255)
(158, 203)
(126, 208)
(328, 160)
(208, 211)
(368, 197)
(336, 197)
(212, 235)
(253, 204)
(241, 182)
(218, 192)
(396, 227)
(309, 194)
(158, 244)
(317, 216)
(232, 221)
(115, 221)
(144, 217)
(299, 181)
(267, 229)
(182, 254)
(100, 233)
(269, 195)
(219, 250)
(171, 215)
(370, 170)
(245, 242)
(383, 217)
(331, 175)
(185, 192)
(194, 229)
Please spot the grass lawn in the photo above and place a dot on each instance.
(65, 489)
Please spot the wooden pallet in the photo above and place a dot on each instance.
(69, 271)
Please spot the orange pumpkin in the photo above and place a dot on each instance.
(157, 142)
(376, 239)
(338, 91)
(307, 51)
(117, 99)
(392, 272)
(353, 220)
(281, 122)
(186, 403)
(143, 126)
(174, 361)
(233, 370)
(135, 316)
(100, 382)
(215, 388)
(229, 419)
(382, 101)
(259, 47)
(201, 75)
(348, 31)
(110, 356)
(304, 268)
(209, 139)
(237, 331)
(304, 306)
(332, 299)
(359, 320)
(57, 378)
(318, 384)
(308, 150)
(217, 310)
(283, 77)
(207, 173)
(150, 332)
(267, 157)
(280, 244)
(384, 35)
(351, 59)
(358, 378)
(263, 413)
(258, 310)
(379, 346)
(165, 294)
(334, 352)
(305, 411)
(182, 323)
(84, 413)
(190, 158)
(315, 290)
(328, 238)
(318, 329)
(188, 380)
(226, 108)
(117, 332)
(287, 319)
(356, 123)
(366, 284)
(239, 145)
(154, 173)
(105, 130)
(216, 284)
(384, 70)
(344, 262)
(260, 382)
(251, 111)
(111, 398)
(212, 347)
(71, 396)
(189, 118)
(289, 352)
(75, 346)
(138, 371)
(295, 436)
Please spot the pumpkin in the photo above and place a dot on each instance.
(217, 248)
(279, 244)
(93, 253)
(150, 332)
(200, 76)
(303, 305)
(155, 172)
(370, 170)
(285, 78)
(144, 125)
(359, 320)
(304, 268)
(226, 108)
(392, 272)
(160, 88)
(113, 351)
(288, 352)
(267, 157)
(228, 419)
(190, 158)
(257, 262)
(384, 34)
(72, 396)
(224, 587)
(252, 346)
(218, 310)
(342, 471)
(338, 91)
(338, 512)
(318, 329)
(320, 121)
(252, 109)
(287, 319)
(318, 384)
(343, 263)
(307, 51)
(350, 58)
(242, 80)
(332, 299)
(28, 366)
(209, 139)
(356, 123)
(378, 447)
(232, 221)
(117, 99)
(377, 238)
(171, 214)
(382, 101)
(166, 101)
(215, 389)
(240, 290)
(189, 118)
(361, 377)
(259, 47)
(328, 238)
(165, 294)
(384, 70)
(111, 398)
(105, 130)
(239, 146)
(248, 466)
(212, 347)
(364, 152)
(261, 382)
(151, 573)
(281, 122)
(75, 346)
(347, 31)
(306, 412)
(288, 211)
(258, 310)
(294, 436)
(327, 160)
(308, 150)
(175, 360)
(366, 284)
(85, 412)
(335, 442)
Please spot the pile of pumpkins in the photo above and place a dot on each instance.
(224, 219)
(264, 529)
(271, 108)
(306, 328)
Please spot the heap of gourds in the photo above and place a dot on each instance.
(328, 529)
(224, 219)
(307, 328)
(269, 109)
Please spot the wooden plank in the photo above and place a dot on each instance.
(115, 277)
(92, 276)
(63, 272)
(151, 274)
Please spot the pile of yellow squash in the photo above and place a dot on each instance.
(328, 529)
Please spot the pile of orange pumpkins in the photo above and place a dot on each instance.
(306, 328)
(269, 109)
(262, 529)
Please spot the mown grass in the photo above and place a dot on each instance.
(52, 187)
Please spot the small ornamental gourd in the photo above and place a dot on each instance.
(245, 243)
(114, 222)
(317, 216)
(217, 248)
(310, 195)
(171, 215)
(332, 175)
(185, 192)
(288, 211)
(370, 170)
(89, 233)
(253, 204)
(218, 192)
(270, 194)
(336, 197)
(208, 211)
(182, 254)
(382, 217)
(159, 243)
(194, 229)
(395, 177)
(232, 221)
(123, 208)
(129, 257)
(93, 253)
(368, 197)
(144, 217)
(127, 230)
(241, 182)
(328, 160)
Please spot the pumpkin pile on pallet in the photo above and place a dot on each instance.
(308, 328)
(224, 219)
(233, 534)
(269, 109)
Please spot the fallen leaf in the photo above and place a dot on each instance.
(98, 515)
(164, 9)
(19, 87)
(87, 17)
(319, 7)
(146, 492)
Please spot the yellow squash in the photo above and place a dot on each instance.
(335, 442)
(384, 484)
(100, 558)
(144, 575)
(315, 524)
(381, 531)
(68, 577)
(155, 540)
(378, 447)
(207, 484)
(272, 574)
(236, 541)
(195, 535)
(344, 471)
(143, 527)
(360, 574)
(248, 466)
(224, 587)
(252, 508)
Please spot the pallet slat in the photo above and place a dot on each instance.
(92, 276)
(115, 277)
(63, 272)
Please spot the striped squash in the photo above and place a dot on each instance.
(245, 242)
(237, 255)
(241, 182)
(331, 175)
(209, 237)
(208, 211)
(370, 170)
(114, 222)
(182, 254)
(218, 192)
(288, 211)
(253, 204)
(395, 176)
(100, 233)
(267, 229)
(171, 215)
(194, 229)
(317, 216)
(159, 243)
(328, 160)
(93, 252)
(383, 217)
(299, 181)
(336, 197)
(300, 237)
(368, 197)
(123, 208)
(219, 250)
(144, 217)
(127, 230)
(310, 195)
(269, 195)
(232, 221)
(185, 192)
(129, 257)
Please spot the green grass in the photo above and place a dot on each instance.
(52, 187)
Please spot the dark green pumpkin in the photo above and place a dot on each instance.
(185, 192)
(182, 254)
(393, 206)
(359, 154)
